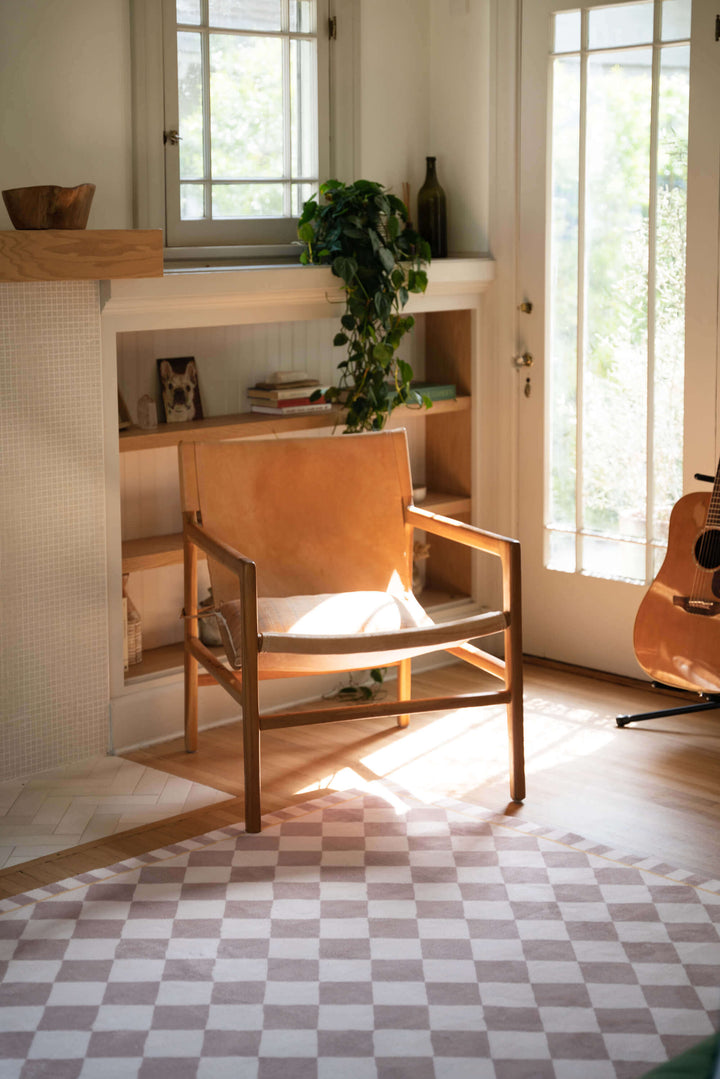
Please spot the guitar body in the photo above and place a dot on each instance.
(679, 645)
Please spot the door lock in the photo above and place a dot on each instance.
(526, 360)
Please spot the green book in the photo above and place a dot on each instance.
(436, 391)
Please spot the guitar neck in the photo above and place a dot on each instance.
(713, 513)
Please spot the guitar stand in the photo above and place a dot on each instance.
(707, 701)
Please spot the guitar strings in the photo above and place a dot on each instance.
(702, 552)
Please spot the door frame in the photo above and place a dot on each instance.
(502, 393)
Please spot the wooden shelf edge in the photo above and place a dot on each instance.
(252, 424)
(80, 254)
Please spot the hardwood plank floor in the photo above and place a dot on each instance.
(649, 789)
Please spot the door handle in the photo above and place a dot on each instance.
(526, 360)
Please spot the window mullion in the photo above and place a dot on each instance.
(206, 104)
(651, 297)
(287, 116)
(580, 348)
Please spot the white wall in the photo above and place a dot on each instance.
(65, 94)
(424, 91)
(460, 116)
(394, 81)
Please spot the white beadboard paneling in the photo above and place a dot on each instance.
(53, 630)
(149, 493)
(230, 359)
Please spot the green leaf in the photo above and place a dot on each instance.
(406, 371)
(306, 233)
(387, 259)
(348, 322)
(382, 353)
(340, 339)
(378, 674)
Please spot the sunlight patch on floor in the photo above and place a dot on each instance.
(347, 779)
(462, 750)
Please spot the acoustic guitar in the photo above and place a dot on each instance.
(677, 627)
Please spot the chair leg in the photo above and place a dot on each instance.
(403, 682)
(515, 722)
(250, 698)
(251, 752)
(190, 631)
(191, 703)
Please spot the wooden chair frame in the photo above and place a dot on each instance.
(243, 685)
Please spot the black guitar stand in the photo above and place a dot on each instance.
(707, 701)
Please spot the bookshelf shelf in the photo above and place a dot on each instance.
(241, 323)
(246, 424)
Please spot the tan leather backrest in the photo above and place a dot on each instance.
(315, 514)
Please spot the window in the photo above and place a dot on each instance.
(243, 104)
(620, 78)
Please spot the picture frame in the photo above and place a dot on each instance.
(180, 400)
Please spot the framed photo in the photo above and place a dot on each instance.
(179, 390)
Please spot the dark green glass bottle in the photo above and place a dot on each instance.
(432, 213)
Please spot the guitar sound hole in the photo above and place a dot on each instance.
(707, 549)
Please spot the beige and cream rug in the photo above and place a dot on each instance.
(362, 936)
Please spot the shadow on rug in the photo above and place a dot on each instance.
(362, 937)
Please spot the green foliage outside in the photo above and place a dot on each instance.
(361, 230)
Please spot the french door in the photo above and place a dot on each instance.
(617, 331)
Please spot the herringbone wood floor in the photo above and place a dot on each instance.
(653, 788)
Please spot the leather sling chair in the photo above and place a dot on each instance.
(310, 542)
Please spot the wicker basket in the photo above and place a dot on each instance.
(132, 637)
(134, 634)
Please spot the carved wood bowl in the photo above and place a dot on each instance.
(49, 206)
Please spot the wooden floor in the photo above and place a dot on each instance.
(648, 789)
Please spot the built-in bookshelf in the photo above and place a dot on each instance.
(187, 314)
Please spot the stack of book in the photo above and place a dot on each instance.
(288, 393)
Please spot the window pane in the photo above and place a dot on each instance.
(245, 14)
(563, 323)
(670, 284)
(630, 24)
(247, 106)
(567, 31)
(300, 194)
(303, 108)
(302, 16)
(561, 552)
(191, 202)
(676, 19)
(188, 11)
(247, 200)
(616, 259)
(613, 559)
(190, 110)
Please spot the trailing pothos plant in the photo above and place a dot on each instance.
(362, 231)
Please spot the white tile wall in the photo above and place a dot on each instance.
(53, 599)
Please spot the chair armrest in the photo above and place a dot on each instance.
(469, 535)
(216, 548)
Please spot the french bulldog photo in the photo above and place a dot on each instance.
(179, 389)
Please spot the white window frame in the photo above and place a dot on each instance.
(338, 130)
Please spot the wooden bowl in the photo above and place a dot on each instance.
(49, 206)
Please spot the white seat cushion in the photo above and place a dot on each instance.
(339, 614)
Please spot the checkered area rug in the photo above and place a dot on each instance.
(360, 938)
